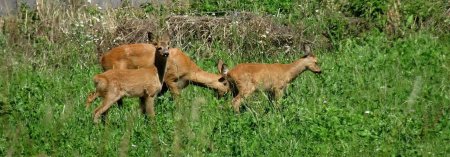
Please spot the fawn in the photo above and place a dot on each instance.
(245, 78)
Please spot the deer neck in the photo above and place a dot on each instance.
(160, 63)
(296, 68)
(203, 78)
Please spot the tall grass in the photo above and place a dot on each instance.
(378, 95)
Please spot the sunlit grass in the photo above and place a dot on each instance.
(379, 95)
(373, 97)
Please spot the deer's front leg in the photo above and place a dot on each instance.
(91, 97)
(149, 106)
(242, 93)
(236, 102)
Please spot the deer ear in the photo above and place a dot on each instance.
(224, 69)
(219, 66)
(150, 37)
(307, 49)
(166, 38)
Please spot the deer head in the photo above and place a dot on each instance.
(162, 45)
(311, 60)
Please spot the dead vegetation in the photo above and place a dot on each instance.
(225, 28)
(240, 32)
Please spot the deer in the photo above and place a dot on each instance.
(246, 78)
(145, 83)
(140, 55)
(181, 70)
(115, 84)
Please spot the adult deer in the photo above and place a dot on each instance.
(141, 55)
(247, 77)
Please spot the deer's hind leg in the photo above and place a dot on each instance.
(102, 110)
(277, 95)
(173, 88)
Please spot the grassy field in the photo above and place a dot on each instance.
(377, 96)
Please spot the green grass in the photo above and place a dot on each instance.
(376, 97)
(379, 94)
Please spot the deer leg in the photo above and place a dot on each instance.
(147, 101)
(108, 101)
(120, 103)
(91, 97)
(164, 89)
(173, 88)
(241, 95)
(181, 83)
(142, 104)
(278, 94)
(236, 102)
(147, 105)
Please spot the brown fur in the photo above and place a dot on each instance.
(114, 84)
(131, 56)
(134, 56)
(181, 70)
(248, 77)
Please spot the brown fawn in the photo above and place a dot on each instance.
(245, 78)
(114, 84)
(181, 70)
